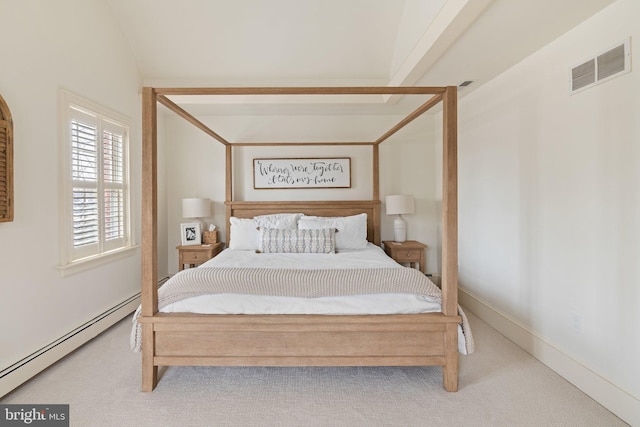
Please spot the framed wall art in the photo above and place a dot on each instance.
(280, 173)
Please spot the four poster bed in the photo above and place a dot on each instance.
(193, 339)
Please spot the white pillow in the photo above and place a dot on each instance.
(244, 234)
(288, 221)
(351, 231)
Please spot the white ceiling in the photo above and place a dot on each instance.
(181, 43)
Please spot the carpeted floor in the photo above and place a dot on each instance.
(500, 385)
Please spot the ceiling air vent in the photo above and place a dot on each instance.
(604, 66)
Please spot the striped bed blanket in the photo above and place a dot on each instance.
(300, 283)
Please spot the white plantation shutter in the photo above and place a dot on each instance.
(98, 184)
(84, 172)
(113, 173)
(85, 217)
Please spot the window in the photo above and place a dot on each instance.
(96, 181)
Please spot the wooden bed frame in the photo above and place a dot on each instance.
(186, 339)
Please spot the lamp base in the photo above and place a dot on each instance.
(399, 229)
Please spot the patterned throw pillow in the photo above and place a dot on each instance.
(316, 241)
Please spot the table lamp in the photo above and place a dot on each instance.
(196, 208)
(398, 205)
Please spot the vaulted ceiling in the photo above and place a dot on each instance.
(183, 43)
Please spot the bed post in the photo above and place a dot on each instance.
(228, 149)
(450, 204)
(376, 172)
(450, 234)
(377, 239)
(149, 234)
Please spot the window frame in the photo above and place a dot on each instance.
(75, 259)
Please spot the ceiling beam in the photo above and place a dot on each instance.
(455, 17)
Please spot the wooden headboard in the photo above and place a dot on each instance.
(318, 208)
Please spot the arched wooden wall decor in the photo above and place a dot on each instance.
(6, 163)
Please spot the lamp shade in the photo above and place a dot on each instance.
(196, 208)
(400, 204)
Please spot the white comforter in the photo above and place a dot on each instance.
(371, 257)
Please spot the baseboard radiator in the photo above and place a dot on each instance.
(21, 371)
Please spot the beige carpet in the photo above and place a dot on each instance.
(500, 385)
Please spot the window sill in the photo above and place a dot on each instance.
(95, 261)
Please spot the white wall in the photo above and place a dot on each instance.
(550, 200)
(41, 52)
(406, 166)
(195, 167)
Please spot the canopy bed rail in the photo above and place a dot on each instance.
(300, 340)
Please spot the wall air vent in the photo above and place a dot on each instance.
(604, 66)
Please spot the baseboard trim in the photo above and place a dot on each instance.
(603, 391)
(28, 367)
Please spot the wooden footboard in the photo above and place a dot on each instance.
(183, 339)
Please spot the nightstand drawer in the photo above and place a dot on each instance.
(409, 252)
(195, 256)
(410, 255)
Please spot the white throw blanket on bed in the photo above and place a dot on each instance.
(296, 283)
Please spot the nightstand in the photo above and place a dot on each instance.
(197, 254)
(410, 251)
